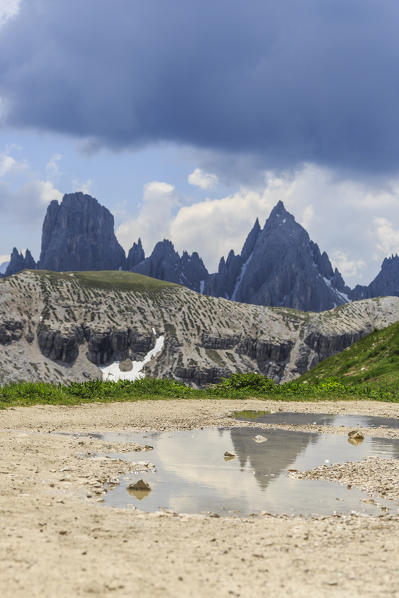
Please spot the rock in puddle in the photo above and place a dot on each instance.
(259, 438)
(355, 437)
(228, 455)
(140, 485)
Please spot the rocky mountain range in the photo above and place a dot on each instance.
(63, 327)
(279, 264)
(166, 264)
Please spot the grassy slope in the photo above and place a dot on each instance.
(109, 279)
(373, 360)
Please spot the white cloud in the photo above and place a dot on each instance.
(83, 186)
(349, 268)
(153, 221)
(8, 10)
(7, 163)
(44, 191)
(52, 166)
(27, 203)
(202, 179)
(307, 216)
(387, 237)
(213, 227)
(342, 216)
(4, 258)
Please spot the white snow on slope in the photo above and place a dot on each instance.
(113, 373)
(202, 285)
(343, 296)
(239, 279)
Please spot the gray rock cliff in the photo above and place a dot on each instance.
(166, 264)
(280, 266)
(20, 262)
(78, 234)
(135, 256)
(385, 283)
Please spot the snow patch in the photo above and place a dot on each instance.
(202, 285)
(343, 296)
(113, 373)
(239, 279)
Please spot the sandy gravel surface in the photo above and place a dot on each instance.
(57, 540)
(374, 475)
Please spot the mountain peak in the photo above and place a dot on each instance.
(135, 256)
(251, 241)
(78, 234)
(279, 209)
(19, 261)
(279, 217)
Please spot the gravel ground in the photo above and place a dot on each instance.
(374, 475)
(58, 540)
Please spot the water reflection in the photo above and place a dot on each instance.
(320, 419)
(139, 494)
(268, 459)
(193, 476)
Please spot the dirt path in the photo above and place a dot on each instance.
(57, 540)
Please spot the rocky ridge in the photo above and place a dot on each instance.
(166, 264)
(279, 265)
(60, 327)
(385, 283)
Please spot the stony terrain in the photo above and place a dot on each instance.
(58, 540)
(60, 327)
(377, 476)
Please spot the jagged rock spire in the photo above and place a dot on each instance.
(280, 266)
(166, 264)
(135, 256)
(20, 262)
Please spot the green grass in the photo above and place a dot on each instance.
(374, 361)
(369, 369)
(108, 279)
(239, 386)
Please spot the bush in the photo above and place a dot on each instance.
(249, 381)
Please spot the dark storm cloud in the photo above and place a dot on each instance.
(287, 81)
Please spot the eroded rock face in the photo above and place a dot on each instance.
(263, 351)
(118, 345)
(59, 346)
(59, 329)
(10, 330)
(201, 377)
(219, 342)
(78, 234)
(325, 345)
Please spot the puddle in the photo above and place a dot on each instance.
(193, 475)
(319, 419)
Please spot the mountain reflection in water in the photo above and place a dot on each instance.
(192, 475)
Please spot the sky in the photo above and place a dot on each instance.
(189, 119)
